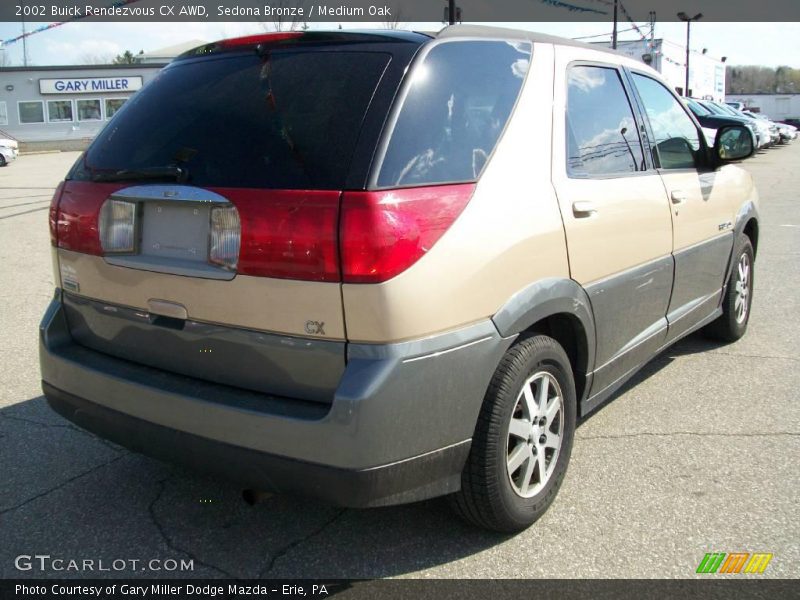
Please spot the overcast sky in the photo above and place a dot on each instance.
(770, 44)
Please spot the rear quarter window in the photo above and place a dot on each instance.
(458, 100)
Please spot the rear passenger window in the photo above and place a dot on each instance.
(677, 141)
(458, 104)
(602, 138)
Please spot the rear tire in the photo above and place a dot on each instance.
(738, 300)
(2, 161)
(518, 460)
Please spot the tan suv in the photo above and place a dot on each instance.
(381, 267)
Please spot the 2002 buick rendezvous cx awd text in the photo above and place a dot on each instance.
(381, 267)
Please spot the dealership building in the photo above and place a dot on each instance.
(65, 107)
(706, 73)
(775, 106)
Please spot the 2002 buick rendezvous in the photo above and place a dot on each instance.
(382, 267)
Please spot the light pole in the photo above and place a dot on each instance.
(614, 32)
(684, 17)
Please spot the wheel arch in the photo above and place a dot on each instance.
(560, 309)
(750, 229)
(747, 223)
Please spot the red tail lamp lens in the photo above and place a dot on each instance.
(383, 233)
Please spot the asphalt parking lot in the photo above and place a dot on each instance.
(700, 453)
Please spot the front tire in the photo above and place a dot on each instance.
(738, 300)
(523, 438)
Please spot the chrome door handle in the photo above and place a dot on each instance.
(583, 209)
(678, 197)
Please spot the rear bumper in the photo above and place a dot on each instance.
(406, 481)
(398, 429)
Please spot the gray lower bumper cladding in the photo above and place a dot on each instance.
(398, 429)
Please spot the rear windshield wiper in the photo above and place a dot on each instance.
(172, 172)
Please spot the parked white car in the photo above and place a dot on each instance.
(9, 150)
(765, 135)
(777, 138)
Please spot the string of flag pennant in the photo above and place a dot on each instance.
(573, 7)
(48, 26)
(555, 3)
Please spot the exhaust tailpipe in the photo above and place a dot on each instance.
(253, 497)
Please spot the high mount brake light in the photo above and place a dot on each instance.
(263, 38)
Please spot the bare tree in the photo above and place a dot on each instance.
(282, 20)
(103, 58)
(749, 79)
(393, 20)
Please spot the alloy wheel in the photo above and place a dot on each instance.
(742, 303)
(535, 433)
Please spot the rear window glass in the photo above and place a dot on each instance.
(286, 120)
(457, 105)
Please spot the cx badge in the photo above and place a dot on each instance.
(315, 327)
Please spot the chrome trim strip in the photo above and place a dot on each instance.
(169, 192)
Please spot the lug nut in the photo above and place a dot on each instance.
(543, 439)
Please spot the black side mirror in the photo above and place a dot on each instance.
(733, 142)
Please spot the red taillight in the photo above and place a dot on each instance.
(262, 38)
(385, 232)
(295, 234)
(77, 215)
(53, 214)
(287, 234)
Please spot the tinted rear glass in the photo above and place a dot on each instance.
(457, 105)
(288, 120)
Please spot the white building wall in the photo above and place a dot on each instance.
(21, 87)
(706, 74)
(775, 106)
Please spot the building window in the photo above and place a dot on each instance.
(59, 110)
(31, 112)
(89, 110)
(113, 105)
(3, 113)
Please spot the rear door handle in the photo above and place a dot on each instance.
(583, 209)
(678, 197)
